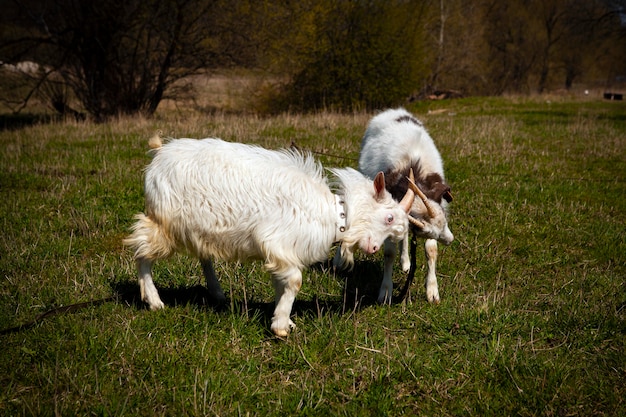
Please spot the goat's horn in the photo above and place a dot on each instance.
(409, 197)
(416, 222)
(422, 196)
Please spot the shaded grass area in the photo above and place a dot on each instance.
(532, 318)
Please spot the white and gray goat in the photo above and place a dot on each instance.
(395, 143)
(232, 201)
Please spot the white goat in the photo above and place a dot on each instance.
(232, 201)
(394, 143)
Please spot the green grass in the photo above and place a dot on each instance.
(531, 322)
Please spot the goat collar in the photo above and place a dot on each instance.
(340, 225)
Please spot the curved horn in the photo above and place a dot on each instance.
(422, 196)
(409, 197)
(416, 222)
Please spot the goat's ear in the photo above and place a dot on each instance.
(379, 186)
(446, 194)
(441, 191)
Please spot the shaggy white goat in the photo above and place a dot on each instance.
(232, 201)
(395, 142)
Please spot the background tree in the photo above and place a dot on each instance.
(458, 61)
(124, 56)
(605, 24)
(363, 54)
(537, 44)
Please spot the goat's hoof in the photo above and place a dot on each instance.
(433, 298)
(384, 299)
(155, 305)
(280, 332)
(283, 331)
(406, 266)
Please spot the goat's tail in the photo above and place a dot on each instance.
(156, 141)
(149, 239)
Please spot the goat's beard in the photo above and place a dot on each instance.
(347, 255)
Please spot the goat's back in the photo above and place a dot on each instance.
(395, 140)
(233, 200)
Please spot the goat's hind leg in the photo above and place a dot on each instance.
(212, 284)
(432, 288)
(149, 293)
(149, 243)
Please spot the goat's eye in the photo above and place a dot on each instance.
(389, 218)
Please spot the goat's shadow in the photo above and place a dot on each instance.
(360, 291)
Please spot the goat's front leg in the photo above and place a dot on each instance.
(432, 289)
(405, 258)
(149, 293)
(212, 284)
(286, 285)
(386, 288)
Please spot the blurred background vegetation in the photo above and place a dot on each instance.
(123, 57)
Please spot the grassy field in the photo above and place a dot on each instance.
(533, 313)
